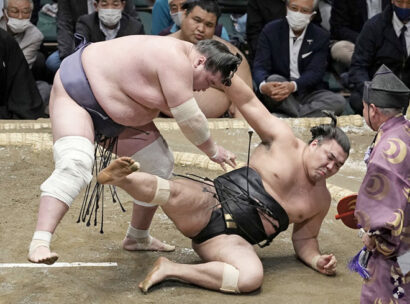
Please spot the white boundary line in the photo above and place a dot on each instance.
(56, 265)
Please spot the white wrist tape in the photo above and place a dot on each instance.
(192, 122)
(40, 238)
(162, 192)
(230, 278)
(313, 263)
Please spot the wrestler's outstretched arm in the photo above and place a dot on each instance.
(306, 245)
(267, 126)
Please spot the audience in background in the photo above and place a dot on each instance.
(16, 20)
(384, 39)
(260, 12)
(199, 23)
(289, 77)
(108, 22)
(176, 12)
(290, 63)
(19, 96)
(346, 21)
(67, 15)
(161, 18)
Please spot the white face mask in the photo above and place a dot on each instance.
(18, 25)
(177, 18)
(298, 21)
(109, 17)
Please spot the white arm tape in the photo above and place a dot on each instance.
(230, 278)
(192, 122)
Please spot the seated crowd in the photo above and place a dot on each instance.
(294, 54)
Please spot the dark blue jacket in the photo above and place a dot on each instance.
(347, 18)
(378, 44)
(272, 55)
(88, 26)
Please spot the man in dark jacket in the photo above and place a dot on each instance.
(107, 22)
(19, 96)
(290, 63)
(260, 12)
(379, 43)
(68, 13)
(346, 21)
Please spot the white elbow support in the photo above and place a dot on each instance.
(162, 192)
(230, 278)
(192, 122)
(74, 158)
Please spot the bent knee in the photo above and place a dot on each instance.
(250, 280)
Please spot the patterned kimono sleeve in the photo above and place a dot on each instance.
(383, 200)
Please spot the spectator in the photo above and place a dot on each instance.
(19, 96)
(107, 22)
(67, 15)
(290, 63)
(199, 23)
(16, 20)
(161, 18)
(36, 9)
(346, 21)
(176, 12)
(380, 43)
(261, 12)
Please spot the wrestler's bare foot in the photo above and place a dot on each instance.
(117, 170)
(157, 274)
(146, 244)
(42, 254)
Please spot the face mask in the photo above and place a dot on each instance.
(18, 25)
(177, 18)
(402, 13)
(109, 17)
(298, 21)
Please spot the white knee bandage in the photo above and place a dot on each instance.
(192, 122)
(156, 159)
(230, 278)
(74, 158)
(40, 238)
(162, 192)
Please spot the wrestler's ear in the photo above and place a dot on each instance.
(199, 61)
(314, 143)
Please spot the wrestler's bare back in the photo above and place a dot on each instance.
(135, 77)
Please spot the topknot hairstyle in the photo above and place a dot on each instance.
(330, 131)
(219, 59)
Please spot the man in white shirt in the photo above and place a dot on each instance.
(16, 20)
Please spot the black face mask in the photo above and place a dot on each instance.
(402, 13)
